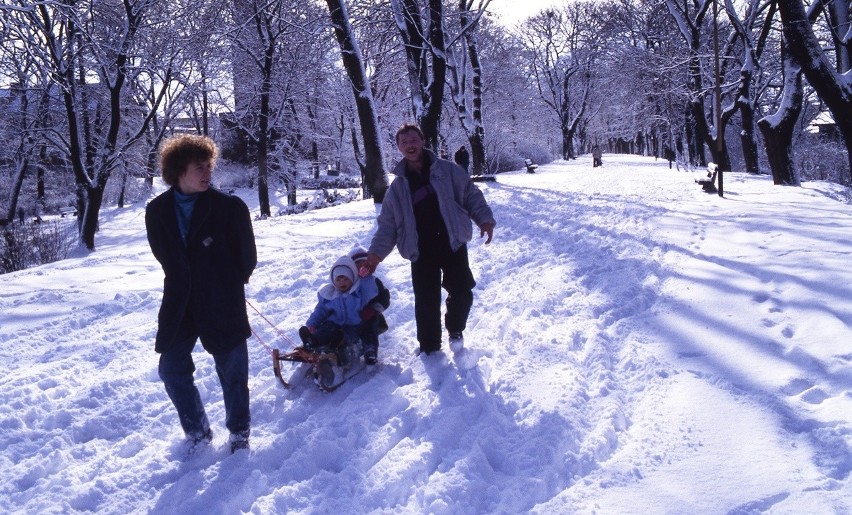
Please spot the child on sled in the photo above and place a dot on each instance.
(347, 318)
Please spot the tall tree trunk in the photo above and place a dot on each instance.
(696, 121)
(21, 166)
(479, 163)
(777, 129)
(565, 120)
(426, 81)
(374, 172)
(752, 50)
(431, 120)
(469, 108)
(570, 124)
(263, 142)
(265, 47)
(43, 121)
(21, 156)
(122, 191)
(839, 15)
(747, 139)
(205, 107)
(694, 151)
(567, 142)
(721, 158)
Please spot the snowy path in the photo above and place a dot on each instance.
(635, 346)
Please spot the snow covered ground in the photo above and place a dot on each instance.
(636, 346)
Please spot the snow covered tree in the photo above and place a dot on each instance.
(563, 47)
(636, 102)
(752, 31)
(86, 47)
(690, 17)
(177, 68)
(515, 125)
(373, 166)
(423, 38)
(259, 25)
(24, 120)
(830, 80)
(278, 52)
(778, 128)
(465, 66)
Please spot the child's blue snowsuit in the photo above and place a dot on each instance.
(340, 311)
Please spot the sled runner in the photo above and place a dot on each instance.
(330, 369)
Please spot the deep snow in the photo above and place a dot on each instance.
(636, 346)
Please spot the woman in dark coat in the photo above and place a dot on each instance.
(204, 241)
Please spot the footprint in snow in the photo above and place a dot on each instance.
(814, 396)
(796, 386)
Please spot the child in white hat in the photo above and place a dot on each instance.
(336, 321)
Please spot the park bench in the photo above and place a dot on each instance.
(67, 211)
(530, 165)
(708, 183)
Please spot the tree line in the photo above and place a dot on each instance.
(89, 88)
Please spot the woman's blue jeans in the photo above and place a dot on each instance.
(176, 369)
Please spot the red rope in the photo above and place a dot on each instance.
(265, 346)
(279, 331)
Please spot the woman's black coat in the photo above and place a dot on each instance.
(206, 277)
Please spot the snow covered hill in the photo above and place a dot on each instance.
(635, 346)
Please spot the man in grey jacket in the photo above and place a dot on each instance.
(426, 214)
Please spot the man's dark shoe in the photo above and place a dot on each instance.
(429, 349)
(456, 341)
(196, 442)
(239, 441)
(370, 356)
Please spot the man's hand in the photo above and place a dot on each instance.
(486, 228)
(372, 262)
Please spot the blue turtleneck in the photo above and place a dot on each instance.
(184, 204)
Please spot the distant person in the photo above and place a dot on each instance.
(668, 155)
(462, 158)
(426, 214)
(204, 241)
(597, 156)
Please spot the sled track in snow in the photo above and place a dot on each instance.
(577, 371)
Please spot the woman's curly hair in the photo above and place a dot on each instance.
(178, 152)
